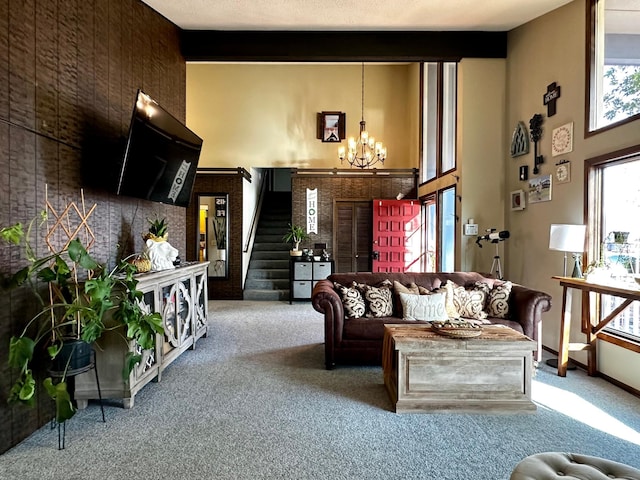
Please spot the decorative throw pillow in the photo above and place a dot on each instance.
(379, 299)
(399, 288)
(410, 288)
(352, 301)
(424, 307)
(498, 300)
(447, 289)
(470, 302)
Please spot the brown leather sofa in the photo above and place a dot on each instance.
(359, 340)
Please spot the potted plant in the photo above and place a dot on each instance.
(157, 229)
(295, 234)
(83, 300)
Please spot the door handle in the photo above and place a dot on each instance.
(375, 255)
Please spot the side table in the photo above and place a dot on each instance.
(590, 324)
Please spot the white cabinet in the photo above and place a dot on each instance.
(180, 296)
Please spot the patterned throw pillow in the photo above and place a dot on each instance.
(424, 307)
(379, 299)
(470, 302)
(498, 300)
(352, 301)
(447, 289)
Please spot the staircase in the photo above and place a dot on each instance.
(268, 275)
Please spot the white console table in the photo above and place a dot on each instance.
(180, 296)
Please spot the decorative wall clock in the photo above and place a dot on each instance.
(562, 140)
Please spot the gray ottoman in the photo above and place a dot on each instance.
(558, 465)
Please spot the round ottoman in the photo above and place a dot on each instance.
(556, 465)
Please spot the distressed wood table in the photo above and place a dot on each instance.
(428, 372)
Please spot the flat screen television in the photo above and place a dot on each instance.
(161, 156)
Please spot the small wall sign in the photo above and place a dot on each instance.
(312, 210)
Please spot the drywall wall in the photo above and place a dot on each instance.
(265, 115)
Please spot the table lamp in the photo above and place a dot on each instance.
(569, 238)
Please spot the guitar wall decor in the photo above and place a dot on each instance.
(535, 127)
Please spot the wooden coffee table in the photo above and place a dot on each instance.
(428, 372)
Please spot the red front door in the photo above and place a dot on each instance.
(396, 236)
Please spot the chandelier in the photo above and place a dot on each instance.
(365, 151)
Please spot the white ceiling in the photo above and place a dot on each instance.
(487, 15)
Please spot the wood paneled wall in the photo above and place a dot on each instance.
(344, 187)
(69, 72)
(233, 184)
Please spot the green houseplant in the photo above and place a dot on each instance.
(84, 299)
(157, 229)
(295, 234)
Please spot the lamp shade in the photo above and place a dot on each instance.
(567, 238)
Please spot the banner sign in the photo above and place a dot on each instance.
(312, 210)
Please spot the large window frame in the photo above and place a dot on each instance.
(593, 201)
(596, 37)
(439, 172)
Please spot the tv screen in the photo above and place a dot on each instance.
(161, 156)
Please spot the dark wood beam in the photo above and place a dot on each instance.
(340, 46)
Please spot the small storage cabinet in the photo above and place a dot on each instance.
(304, 274)
(180, 296)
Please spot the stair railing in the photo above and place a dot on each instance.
(256, 212)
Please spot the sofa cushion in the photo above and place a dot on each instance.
(470, 302)
(429, 308)
(352, 301)
(498, 300)
(378, 299)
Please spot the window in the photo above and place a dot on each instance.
(429, 235)
(438, 154)
(447, 221)
(613, 200)
(613, 70)
(439, 99)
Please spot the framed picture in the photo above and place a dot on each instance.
(331, 126)
(540, 189)
(517, 200)
(563, 171)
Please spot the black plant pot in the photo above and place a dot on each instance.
(74, 356)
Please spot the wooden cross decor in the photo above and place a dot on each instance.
(550, 98)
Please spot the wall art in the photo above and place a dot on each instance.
(331, 126)
(563, 171)
(520, 140)
(540, 189)
(517, 200)
(562, 140)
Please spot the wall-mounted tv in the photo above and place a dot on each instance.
(161, 156)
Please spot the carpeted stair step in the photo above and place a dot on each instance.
(266, 295)
(269, 262)
(266, 284)
(269, 255)
(273, 273)
(272, 246)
